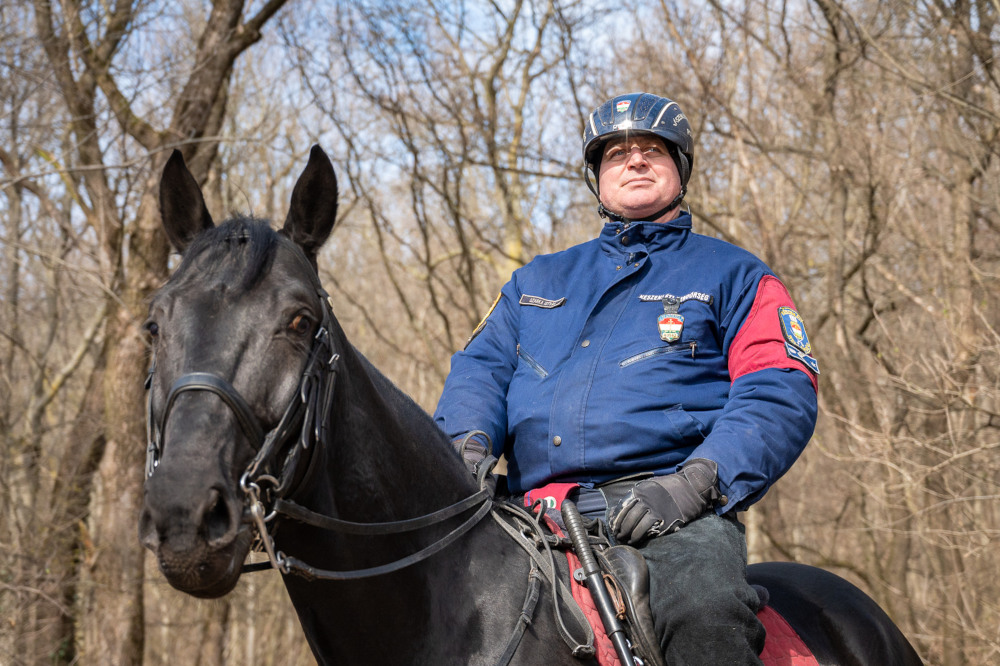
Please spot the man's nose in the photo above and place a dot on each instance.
(636, 156)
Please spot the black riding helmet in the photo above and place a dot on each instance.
(640, 113)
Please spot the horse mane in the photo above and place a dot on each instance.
(239, 251)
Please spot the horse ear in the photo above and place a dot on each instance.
(182, 206)
(313, 210)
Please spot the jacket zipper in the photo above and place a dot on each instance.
(658, 351)
(535, 365)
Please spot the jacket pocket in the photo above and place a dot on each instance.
(532, 363)
(688, 430)
(688, 347)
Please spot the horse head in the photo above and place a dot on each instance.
(232, 332)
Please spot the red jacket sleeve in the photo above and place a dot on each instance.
(772, 335)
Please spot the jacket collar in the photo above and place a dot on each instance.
(617, 237)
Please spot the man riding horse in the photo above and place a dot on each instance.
(665, 372)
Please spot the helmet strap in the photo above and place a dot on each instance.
(604, 212)
(683, 166)
(592, 184)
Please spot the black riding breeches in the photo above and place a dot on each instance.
(704, 611)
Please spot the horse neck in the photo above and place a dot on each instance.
(388, 460)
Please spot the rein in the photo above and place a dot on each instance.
(288, 564)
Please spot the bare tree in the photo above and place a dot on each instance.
(86, 47)
(851, 144)
(451, 154)
(50, 330)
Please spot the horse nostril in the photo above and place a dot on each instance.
(216, 520)
(147, 532)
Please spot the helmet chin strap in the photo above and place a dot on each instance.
(604, 212)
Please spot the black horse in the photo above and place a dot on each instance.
(264, 422)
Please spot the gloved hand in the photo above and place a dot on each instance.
(478, 459)
(664, 504)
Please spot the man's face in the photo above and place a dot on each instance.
(638, 177)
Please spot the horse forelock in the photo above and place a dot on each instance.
(239, 252)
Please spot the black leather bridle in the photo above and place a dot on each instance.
(303, 427)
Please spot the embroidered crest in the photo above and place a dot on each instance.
(797, 343)
(794, 329)
(540, 302)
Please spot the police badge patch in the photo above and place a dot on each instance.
(797, 344)
(671, 326)
(670, 323)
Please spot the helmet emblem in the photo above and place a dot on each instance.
(623, 105)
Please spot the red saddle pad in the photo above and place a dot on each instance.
(783, 646)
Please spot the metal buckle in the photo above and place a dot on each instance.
(257, 509)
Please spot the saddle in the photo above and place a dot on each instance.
(782, 647)
(627, 577)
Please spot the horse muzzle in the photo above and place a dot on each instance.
(200, 539)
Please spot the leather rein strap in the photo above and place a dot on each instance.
(304, 515)
(292, 565)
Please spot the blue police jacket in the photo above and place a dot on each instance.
(629, 354)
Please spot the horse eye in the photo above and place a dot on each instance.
(300, 324)
(153, 329)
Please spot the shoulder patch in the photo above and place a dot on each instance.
(797, 344)
(540, 302)
(482, 322)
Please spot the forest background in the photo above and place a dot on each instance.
(852, 144)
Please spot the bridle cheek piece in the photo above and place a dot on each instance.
(304, 419)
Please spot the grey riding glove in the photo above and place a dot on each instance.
(478, 459)
(664, 504)
(472, 452)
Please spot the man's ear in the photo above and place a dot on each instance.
(182, 206)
